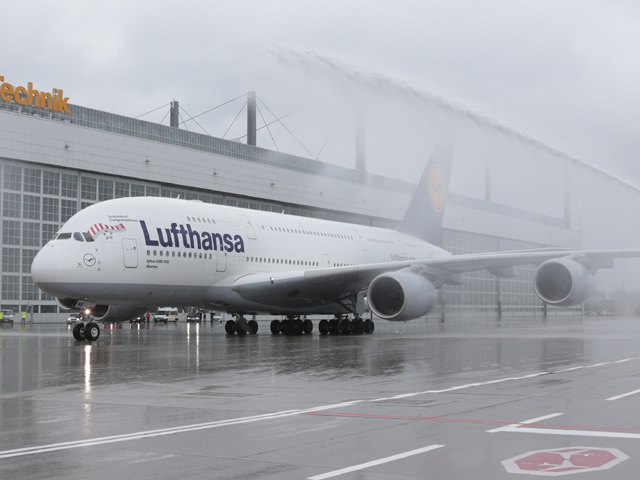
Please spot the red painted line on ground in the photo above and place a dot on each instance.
(399, 417)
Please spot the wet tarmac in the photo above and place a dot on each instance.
(416, 400)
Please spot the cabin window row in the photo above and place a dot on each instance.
(308, 232)
(278, 261)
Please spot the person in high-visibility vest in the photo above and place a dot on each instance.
(24, 318)
(1, 315)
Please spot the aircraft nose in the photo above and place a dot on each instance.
(44, 267)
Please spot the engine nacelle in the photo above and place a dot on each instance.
(562, 282)
(104, 313)
(402, 295)
(115, 313)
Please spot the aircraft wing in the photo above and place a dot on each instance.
(296, 288)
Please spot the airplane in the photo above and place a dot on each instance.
(119, 257)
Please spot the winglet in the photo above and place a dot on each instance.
(423, 218)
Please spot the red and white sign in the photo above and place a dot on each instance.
(563, 461)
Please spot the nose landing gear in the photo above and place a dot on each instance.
(86, 331)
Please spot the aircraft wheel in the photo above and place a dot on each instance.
(323, 327)
(230, 327)
(275, 327)
(298, 326)
(78, 331)
(344, 327)
(358, 326)
(91, 331)
(285, 327)
(334, 327)
(253, 327)
(308, 326)
(369, 326)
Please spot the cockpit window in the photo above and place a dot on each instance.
(87, 237)
(78, 236)
(64, 236)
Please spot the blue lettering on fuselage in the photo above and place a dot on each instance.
(171, 237)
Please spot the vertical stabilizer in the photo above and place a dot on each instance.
(423, 218)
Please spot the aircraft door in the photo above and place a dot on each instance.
(222, 261)
(325, 260)
(247, 226)
(130, 250)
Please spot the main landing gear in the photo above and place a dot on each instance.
(345, 326)
(241, 326)
(293, 325)
(86, 331)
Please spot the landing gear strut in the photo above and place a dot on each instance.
(241, 326)
(343, 325)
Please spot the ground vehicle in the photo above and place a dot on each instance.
(196, 316)
(166, 314)
(7, 316)
(74, 318)
(140, 319)
(216, 316)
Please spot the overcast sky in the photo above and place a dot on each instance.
(567, 73)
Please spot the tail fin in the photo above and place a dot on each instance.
(423, 218)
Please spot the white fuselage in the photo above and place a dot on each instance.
(156, 251)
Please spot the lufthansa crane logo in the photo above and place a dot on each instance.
(437, 187)
(89, 260)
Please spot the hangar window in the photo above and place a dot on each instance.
(31, 207)
(11, 287)
(50, 209)
(12, 177)
(32, 180)
(137, 190)
(48, 232)
(69, 185)
(27, 259)
(68, 208)
(89, 188)
(105, 190)
(50, 183)
(153, 191)
(11, 205)
(10, 259)
(29, 289)
(122, 190)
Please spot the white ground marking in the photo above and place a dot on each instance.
(508, 428)
(373, 463)
(519, 428)
(269, 416)
(617, 397)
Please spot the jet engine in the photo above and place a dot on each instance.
(401, 295)
(105, 313)
(563, 282)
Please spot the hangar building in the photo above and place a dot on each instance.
(57, 158)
